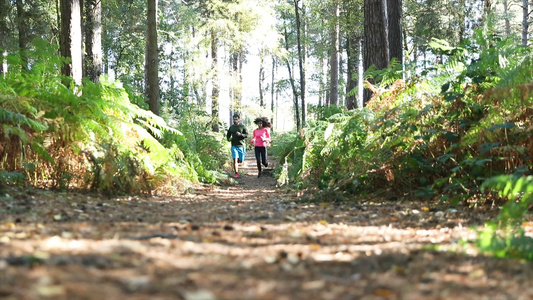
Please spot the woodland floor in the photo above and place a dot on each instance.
(246, 241)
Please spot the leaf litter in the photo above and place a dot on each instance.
(248, 240)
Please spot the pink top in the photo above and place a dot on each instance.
(261, 137)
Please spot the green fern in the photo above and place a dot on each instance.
(511, 241)
(519, 192)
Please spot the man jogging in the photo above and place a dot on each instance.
(237, 135)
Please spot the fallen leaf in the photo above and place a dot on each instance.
(199, 295)
(315, 246)
(386, 293)
(50, 290)
(290, 218)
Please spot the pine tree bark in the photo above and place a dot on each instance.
(215, 89)
(262, 102)
(22, 31)
(376, 46)
(507, 25)
(152, 60)
(4, 30)
(525, 22)
(334, 58)
(322, 82)
(273, 84)
(70, 45)
(93, 39)
(394, 12)
(293, 85)
(301, 58)
(236, 62)
(241, 57)
(353, 16)
(352, 63)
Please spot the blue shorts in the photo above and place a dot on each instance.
(238, 152)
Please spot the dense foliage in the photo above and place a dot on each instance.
(465, 125)
(57, 135)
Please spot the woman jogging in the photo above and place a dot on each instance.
(260, 141)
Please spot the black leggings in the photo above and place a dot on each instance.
(261, 157)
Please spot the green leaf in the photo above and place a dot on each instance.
(37, 147)
(445, 157)
(445, 87)
(486, 147)
(452, 137)
(507, 125)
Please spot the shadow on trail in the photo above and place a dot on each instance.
(247, 241)
(248, 171)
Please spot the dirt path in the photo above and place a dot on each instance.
(248, 241)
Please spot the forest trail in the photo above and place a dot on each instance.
(245, 241)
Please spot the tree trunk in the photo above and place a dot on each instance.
(326, 78)
(376, 44)
(262, 102)
(273, 84)
(216, 89)
(232, 70)
(239, 77)
(525, 22)
(342, 72)
(506, 18)
(352, 74)
(322, 83)
(197, 85)
(22, 30)
(360, 71)
(334, 58)
(394, 12)
(4, 30)
(236, 63)
(301, 58)
(173, 81)
(294, 90)
(152, 59)
(277, 109)
(71, 39)
(487, 9)
(93, 39)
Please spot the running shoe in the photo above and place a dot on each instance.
(236, 175)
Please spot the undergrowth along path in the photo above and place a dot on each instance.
(250, 240)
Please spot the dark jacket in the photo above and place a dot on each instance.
(237, 140)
